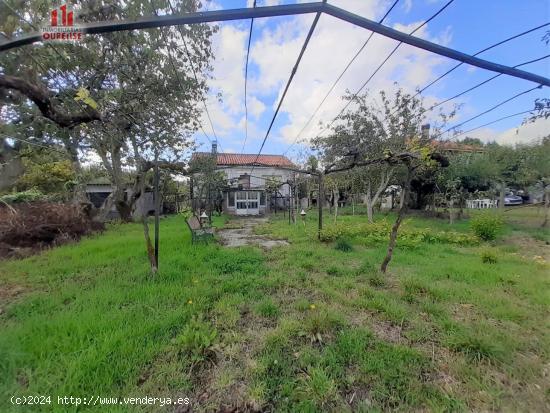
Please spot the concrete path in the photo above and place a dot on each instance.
(244, 234)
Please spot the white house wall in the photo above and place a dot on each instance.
(234, 172)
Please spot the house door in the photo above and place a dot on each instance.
(248, 203)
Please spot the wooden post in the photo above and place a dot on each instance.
(320, 205)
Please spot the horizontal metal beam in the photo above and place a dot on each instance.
(431, 47)
(286, 10)
(174, 20)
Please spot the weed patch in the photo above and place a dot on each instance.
(343, 245)
(267, 308)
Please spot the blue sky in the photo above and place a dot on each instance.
(466, 25)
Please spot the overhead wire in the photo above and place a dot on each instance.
(478, 53)
(246, 82)
(493, 122)
(491, 109)
(196, 80)
(499, 43)
(338, 78)
(294, 69)
(354, 95)
(484, 82)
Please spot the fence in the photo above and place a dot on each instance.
(481, 203)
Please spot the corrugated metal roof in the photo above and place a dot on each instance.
(250, 159)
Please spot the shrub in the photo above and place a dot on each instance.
(378, 232)
(342, 244)
(31, 195)
(486, 226)
(488, 256)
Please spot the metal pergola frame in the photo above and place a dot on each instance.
(286, 10)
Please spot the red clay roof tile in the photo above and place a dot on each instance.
(250, 159)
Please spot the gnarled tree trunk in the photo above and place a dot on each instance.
(546, 206)
(395, 228)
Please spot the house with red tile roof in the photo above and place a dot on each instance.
(247, 175)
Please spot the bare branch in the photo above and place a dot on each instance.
(47, 104)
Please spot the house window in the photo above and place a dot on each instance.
(262, 198)
(244, 181)
(231, 199)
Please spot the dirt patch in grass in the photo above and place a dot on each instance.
(8, 293)
(529, 247)
(241, 232)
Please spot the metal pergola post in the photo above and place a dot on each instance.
(320, 205)
(157, 211)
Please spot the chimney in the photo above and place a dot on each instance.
(425, 130)
(214, 147)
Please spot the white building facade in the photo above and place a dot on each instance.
(247, 176)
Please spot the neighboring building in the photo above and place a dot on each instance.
(245, 193)
(98, 191)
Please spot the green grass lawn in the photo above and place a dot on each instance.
(306, 327)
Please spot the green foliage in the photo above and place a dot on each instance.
(378, 232)
(487, 225)
(489, 256)
(31, 195)
(48, 177)
(476, 347)
(343, 244)
(321, 321)
(83, 95)
(376, 279)
(334, 270)
(243, 262)
(186, 213)
(267, 308)
(317, 387)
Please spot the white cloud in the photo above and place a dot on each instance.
(523, 133)
(334, 43)
(255, 107)
(274, 50)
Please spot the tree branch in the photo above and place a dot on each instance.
(390, 159)
(47, 104)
